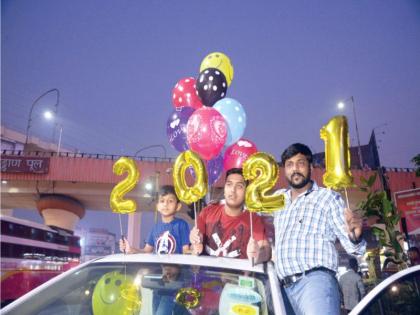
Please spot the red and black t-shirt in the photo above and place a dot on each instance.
(225, 235)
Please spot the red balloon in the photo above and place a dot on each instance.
(184, 94)
(206, 132)
(237, 153)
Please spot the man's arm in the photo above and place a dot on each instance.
(347, 226)
(354, 223)
(259, 250)
(126, 248)
(196, 239)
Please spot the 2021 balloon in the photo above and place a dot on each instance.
(184, 192)
(211, 86)
(117, 202)
(337, 153)
(262, 171)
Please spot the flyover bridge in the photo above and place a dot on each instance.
(63, 185)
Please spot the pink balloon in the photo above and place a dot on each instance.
(237, 153)
(206, 132)
(184, 94)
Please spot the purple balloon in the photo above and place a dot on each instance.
(215, 169)
(176, 127)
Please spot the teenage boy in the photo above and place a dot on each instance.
(224, 229)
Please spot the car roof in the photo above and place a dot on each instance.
(182, 259)
(381, 286)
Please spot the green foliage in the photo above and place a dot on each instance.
(416, 161)
(378, 205)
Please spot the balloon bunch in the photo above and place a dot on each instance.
(206, 122)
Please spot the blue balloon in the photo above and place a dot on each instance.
(176, 127)
(235, 117)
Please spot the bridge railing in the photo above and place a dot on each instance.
(84, 155)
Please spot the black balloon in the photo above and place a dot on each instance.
(211, 86)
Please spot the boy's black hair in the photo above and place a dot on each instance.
(233, 171)
(294, 149)
(167, 190)
(236, 171)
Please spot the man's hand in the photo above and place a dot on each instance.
(125, 246)
(252, 249)
(354, 223)
(196, 240)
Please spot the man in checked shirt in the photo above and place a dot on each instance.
(305, 233)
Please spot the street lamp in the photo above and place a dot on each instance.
(28, 126)
(48, 115)
(341, 105)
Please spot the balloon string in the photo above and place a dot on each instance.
(123, 238)
(121, 230)
(195, 214)
(353, 235)
(252, 235)
(347, 198)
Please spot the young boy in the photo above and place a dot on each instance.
(169, 236)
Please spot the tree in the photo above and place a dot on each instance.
(382, 217)
(416, 161)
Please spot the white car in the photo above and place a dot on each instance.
(397, 294)
(147, 284)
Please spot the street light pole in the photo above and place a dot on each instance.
(341, 105)
(150, 147)
(59, 140)
(357, 132)
(28, 126)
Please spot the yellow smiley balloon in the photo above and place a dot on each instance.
(244, 309)
(221, 62)
(116, 294)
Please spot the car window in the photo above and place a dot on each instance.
(152, 288)
(400, 297)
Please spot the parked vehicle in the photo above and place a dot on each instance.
(397, 294)
(31, 254)
(150, 284)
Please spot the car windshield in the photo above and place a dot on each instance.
(152, 288)
(400, 297)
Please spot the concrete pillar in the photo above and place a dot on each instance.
(60, 210)
(134, 229)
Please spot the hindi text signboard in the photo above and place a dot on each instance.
(20, 164)
(408, 202)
